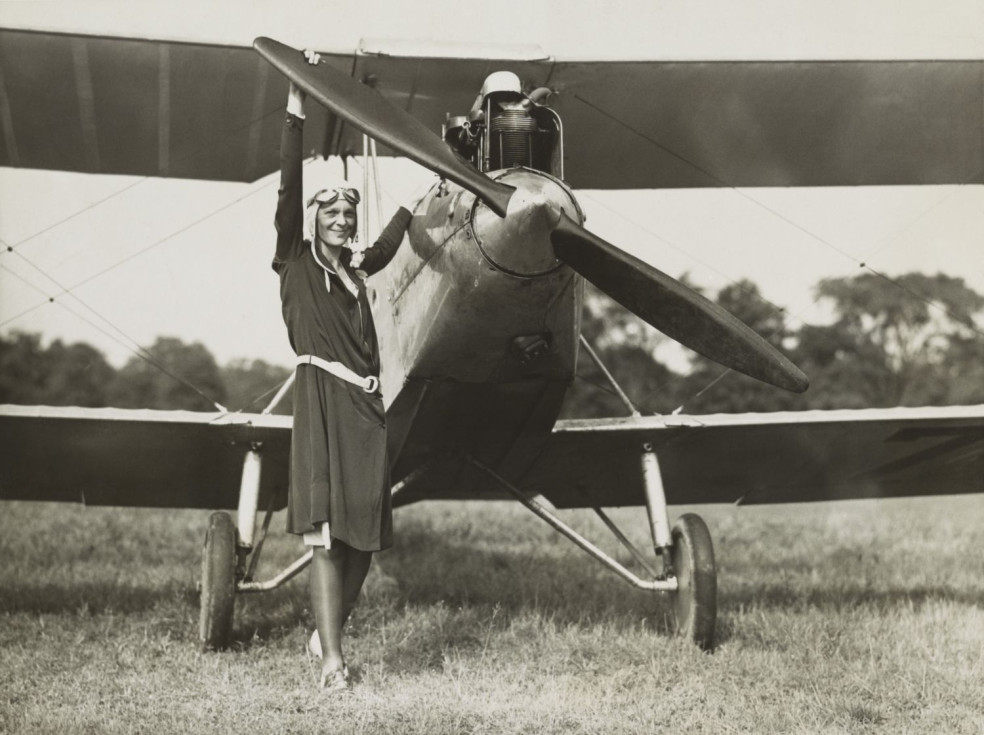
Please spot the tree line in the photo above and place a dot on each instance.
(168, 375)
(913, 340)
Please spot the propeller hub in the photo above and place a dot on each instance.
(519, 243)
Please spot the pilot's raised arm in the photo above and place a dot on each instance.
(289, 219)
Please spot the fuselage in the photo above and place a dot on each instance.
(478, 325)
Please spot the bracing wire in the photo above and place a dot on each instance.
(79, 213)
(365, 189)
(886, 241)
(151, 246)
(377, 191)
(142, 352)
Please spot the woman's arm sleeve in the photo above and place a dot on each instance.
(382, 251)
(289, 219)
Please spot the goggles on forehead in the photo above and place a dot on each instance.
(329, 196)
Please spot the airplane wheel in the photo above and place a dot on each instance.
(218, 583)
(695, 606)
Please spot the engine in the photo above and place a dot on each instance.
(507, 128)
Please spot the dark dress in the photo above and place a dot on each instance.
(339, 470)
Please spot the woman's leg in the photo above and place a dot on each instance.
(327, 595)
(357, 565)
(337, 576)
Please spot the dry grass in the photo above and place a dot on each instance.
(840, 618)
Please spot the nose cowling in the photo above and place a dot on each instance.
(519, 243)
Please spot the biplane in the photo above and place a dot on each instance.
(479, 313)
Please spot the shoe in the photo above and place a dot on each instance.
(334, 680)
(314, 648)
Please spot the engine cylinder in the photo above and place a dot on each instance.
(512, 133)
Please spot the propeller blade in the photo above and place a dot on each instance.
(368, 111)
(676, 310)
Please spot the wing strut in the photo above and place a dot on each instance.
(633, 411)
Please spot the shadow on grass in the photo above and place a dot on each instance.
(47, 598)
(558, 582)
(846, 597)
(832, 602)
(273, 615)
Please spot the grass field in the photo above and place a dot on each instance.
(841, 618)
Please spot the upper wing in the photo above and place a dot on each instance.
(163, 108)
(111, 456)
(766, 458)
(660, 124)
(143, 107)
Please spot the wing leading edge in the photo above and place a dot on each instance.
(766, 458)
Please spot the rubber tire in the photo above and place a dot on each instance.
(695, 602)
(218, 596)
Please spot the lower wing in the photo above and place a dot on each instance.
(144, 458)
(185, 459)
(766, 458)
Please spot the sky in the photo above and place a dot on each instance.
(145, 257)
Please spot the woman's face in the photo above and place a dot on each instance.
(336, 222)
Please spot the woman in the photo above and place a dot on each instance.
(339, 480)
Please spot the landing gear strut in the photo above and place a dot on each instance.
(688, 556)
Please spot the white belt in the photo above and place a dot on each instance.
(369, 385)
